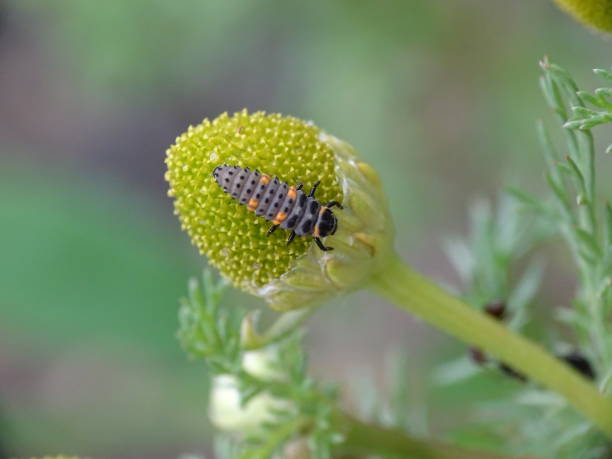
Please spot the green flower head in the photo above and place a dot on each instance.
(235, 240)
(593, 13)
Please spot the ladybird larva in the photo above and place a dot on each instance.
(283, 205)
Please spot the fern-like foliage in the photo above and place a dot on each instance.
(584, 118)
(531, 419)
(496, 265)
(302, 409)
(584, 221)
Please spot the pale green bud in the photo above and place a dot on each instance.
(234, 239)
(593, 13)
(226, 412)
(225, 409)
(263, 363)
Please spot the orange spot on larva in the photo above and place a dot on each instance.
(252, 205)
(280, 217)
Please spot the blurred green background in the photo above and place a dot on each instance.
(440, 96)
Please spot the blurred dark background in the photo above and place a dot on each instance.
(440, 96)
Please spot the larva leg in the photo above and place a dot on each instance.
(291, 237)
(334, 203)
(314, 188)
(321, 246)
(272, 229)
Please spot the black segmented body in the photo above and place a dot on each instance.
(285, 206)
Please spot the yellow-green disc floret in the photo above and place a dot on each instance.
(234, 239)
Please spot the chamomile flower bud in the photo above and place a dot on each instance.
(227, 413)
(235, 240)
(593, 13)
(263, 363)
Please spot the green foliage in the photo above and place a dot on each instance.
(496, 264)
(213, 333)
(540, 421)
(205, 330)
(583, 220)
(487, 259)
(585, 118)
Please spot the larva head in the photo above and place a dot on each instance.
(234, 237)
(326, 223)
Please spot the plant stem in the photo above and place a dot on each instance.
(362, 439)
(277, 437)
(414, 293)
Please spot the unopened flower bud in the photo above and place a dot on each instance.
(593, 13)
(263, 363)
(236, 241)
(226, 412)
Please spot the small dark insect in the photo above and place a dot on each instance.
(497, 310)
(580, 363)
(283, 205)
(511, 372)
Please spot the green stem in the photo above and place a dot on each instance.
(414, 293)
(363, 439)
(275, 438)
